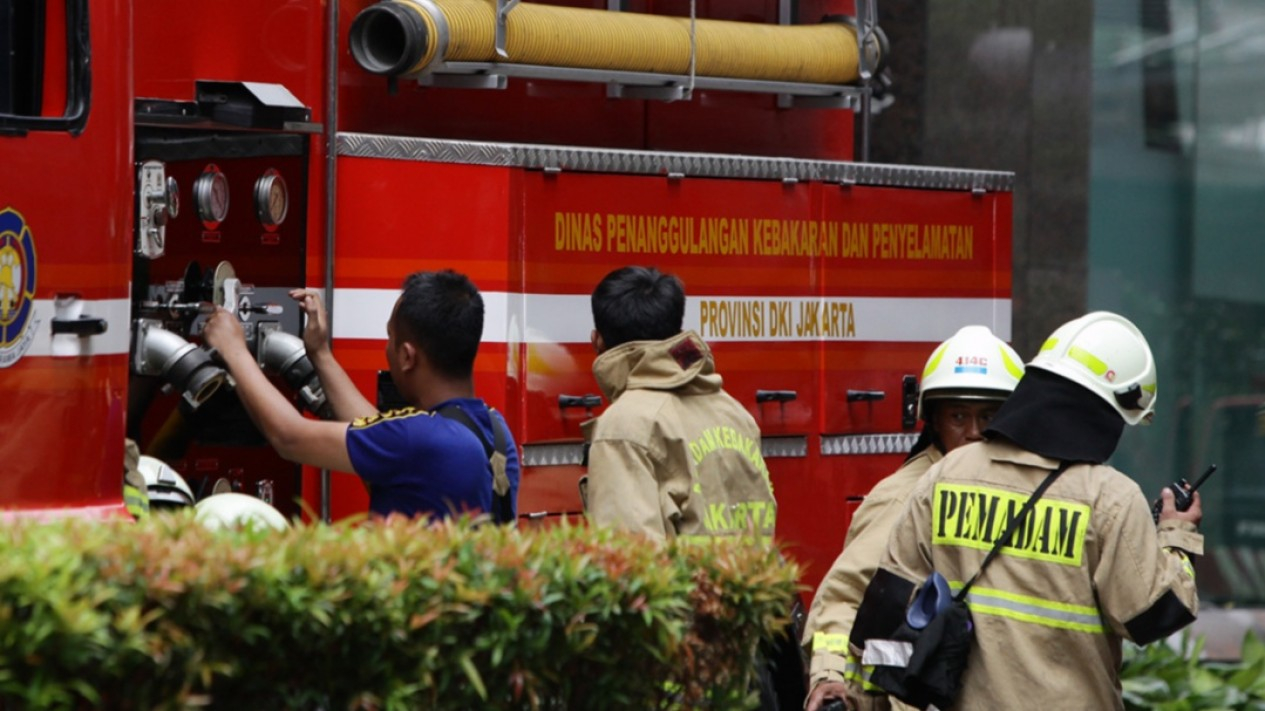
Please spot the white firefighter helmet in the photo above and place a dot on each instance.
(1107, 355)
(973, 364)
(234, 510)
(165, 487)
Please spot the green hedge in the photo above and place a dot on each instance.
(1160, 677)
(386, 615)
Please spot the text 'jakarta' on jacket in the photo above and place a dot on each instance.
(674, 455)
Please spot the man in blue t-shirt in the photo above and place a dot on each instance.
(425, 459)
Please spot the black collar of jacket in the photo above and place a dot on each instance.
(1056, 418)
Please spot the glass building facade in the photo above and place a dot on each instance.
(1177, 242)
(1136, 132)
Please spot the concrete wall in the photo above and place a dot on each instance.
(999, 85)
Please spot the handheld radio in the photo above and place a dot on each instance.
(1183, 493)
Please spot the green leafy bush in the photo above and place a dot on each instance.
(166, 614)
(1160, 677)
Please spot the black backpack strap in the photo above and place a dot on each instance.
(499, 436)
(456, 414)
(502, 505)
(1010, 528)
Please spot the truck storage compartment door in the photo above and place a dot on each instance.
(743, 248)
(913, 265)
(243, 222)
(66, 196)
(397, 215)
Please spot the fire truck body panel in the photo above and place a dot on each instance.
(66, 199)
(820, 284)
(274, 41)
(821, 295)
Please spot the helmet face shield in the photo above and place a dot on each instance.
(168, 498)
(971, 365)
(1106, 354)
(165, 487)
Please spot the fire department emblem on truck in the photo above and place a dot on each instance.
(17, 287)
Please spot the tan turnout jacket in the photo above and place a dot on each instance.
(836, 601)
(674, 455)
(1087, 569)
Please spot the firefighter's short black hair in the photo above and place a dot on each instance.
(442, 314)
(638, 304)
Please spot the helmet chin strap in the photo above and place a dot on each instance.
(926, 438)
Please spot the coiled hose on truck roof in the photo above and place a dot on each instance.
(403, 37)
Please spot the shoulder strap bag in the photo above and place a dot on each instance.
(922, 664)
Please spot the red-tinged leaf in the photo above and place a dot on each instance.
(418, 621)
(516, 684)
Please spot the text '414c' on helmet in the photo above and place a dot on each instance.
(1106, 354)
(972, 365)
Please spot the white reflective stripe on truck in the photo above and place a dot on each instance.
(115, 340)
(567, 318)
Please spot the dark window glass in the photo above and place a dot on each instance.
(45, 80)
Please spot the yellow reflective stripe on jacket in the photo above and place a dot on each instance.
(1025, 608)
(1186, 566)
(858, 673)
(852, 669)
(836, 643)
(135, 501)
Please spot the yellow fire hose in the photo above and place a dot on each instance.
(403, 37)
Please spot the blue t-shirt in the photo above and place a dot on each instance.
(418, 462)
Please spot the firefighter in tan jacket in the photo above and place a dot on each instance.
(965, 380)
(1086, 569)
(674, 455)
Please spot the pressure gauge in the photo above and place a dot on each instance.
(210, 193)
(272, 199)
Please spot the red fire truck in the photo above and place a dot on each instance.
(157, 156)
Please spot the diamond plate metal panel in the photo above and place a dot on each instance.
(784, 447)
(701, 165)
(552, 455)
(850, 445)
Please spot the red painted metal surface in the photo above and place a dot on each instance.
(397, 217)
(520, 234)
(546, 239)
(64, 417)
(271, 41)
